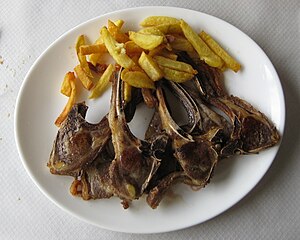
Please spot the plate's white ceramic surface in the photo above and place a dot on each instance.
(40, 102)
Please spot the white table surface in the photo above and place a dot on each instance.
(270, 211)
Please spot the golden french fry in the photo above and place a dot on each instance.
(181, 44)
(205, 53)
(69, 105)
(137, 79)
(132, 48)
(151, 30)
(116, 50)
(90, 49)
(150, 67)
(127, 92)
(146, 41)
(175, 28)
(85, 80)
(66, 84)
(175, 75)
(119, 23)
(157, 50)
(163, 28)
(158, 20)
(176, 65)
(95, 58)
(103, 82)
(230, 62)
(82, 58)
(116, 33)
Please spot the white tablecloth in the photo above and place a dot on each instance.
(270, 211)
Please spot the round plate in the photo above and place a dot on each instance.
(40, 102)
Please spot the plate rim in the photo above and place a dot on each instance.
(166, 229)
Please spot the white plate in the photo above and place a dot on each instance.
(39, 103)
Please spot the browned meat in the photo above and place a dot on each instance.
(149, 99)
(133, 165)
(77, 142)
(157, 193)
(95, 180)
(195, 155)
(252, 131)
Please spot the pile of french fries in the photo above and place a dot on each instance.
(146, 56)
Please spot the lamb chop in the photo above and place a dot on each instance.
(169, 164)
(134, 164)
(94, 182)
(195, 155)
(190, 160)
(77, 142)
(252, 131)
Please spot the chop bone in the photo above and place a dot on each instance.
(195, 155)
(133, 165)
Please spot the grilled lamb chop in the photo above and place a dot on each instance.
(133, 165)
(252, 131)
(195, 155)
(163, 145)
(77, 142)
(187, 159)
(95, 180)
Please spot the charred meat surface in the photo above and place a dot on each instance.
(133, 165)
(77, 142)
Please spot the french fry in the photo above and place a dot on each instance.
(119, 23)
(115, 31)
(66, 84)
(175, 75)
(174, 28)
(137, 79)
(82, 58)
(90, 49)
(181, 44)
(146, 41)
(157, 50)
(85, 80)
(132, 48)
(150, 67)
(151, 30)
(95, 58)
(176, 65)
(205, 53)
(70, 103)
(230, 62)
(158, 20)
(116, 50)
(103, 82)
(127, 92)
